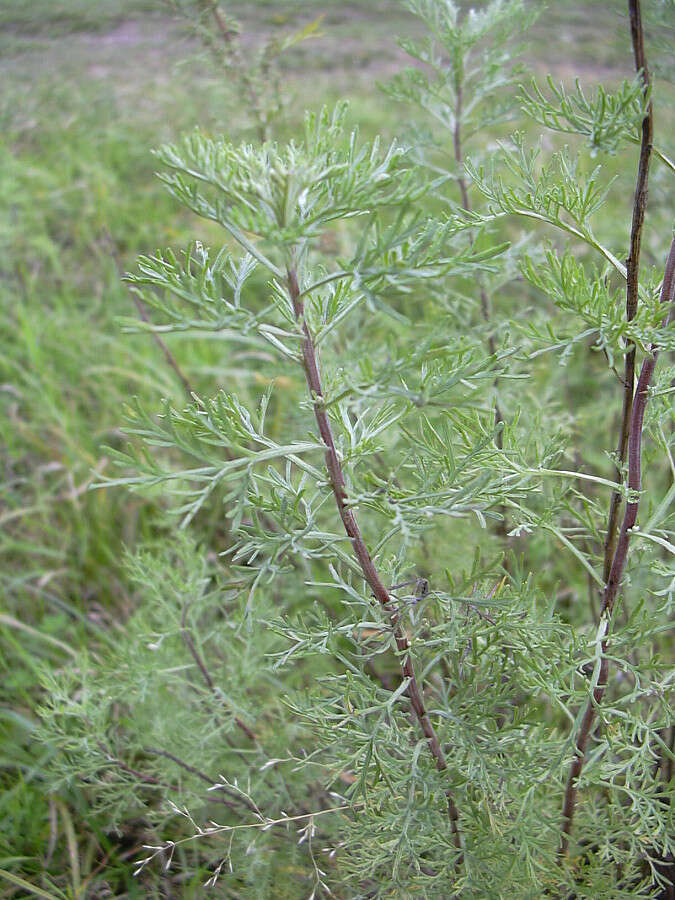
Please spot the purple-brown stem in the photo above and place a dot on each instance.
(146, 779)
(370, 574)
(619, 562)
(168, 355)
(632, 271)
(155, 782)
(630, 432)
(236, 797)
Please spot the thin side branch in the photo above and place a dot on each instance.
(143, 313)
(155, 782)
(141, 776)
(206, 675)
(168, 355)
(368, 569)
(238, 798)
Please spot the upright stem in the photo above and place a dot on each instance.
(230, 45)
(632, 272)
(619, 561)
(457, 141)
(353, 531)
(630, 431)
(466, 205)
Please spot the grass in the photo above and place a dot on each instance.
(88, 88)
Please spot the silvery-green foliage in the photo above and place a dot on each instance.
(605, 119)
(262, 663)
(140, 723)
(468, 66)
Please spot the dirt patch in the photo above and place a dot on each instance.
(133, 32)
(124, 34)
(357, 42)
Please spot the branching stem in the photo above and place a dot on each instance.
(632, 272)
(630, 432)
(619, 561)
(353, 531)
